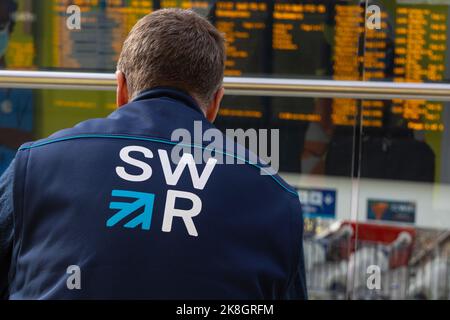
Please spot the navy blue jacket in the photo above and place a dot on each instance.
(100, 197)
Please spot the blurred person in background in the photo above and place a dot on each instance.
(16, 105)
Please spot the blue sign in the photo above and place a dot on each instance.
(388, 210)
(318, 203)
(143, 203)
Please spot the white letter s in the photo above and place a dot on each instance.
(146, 169)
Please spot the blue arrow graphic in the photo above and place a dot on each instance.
(143, 200)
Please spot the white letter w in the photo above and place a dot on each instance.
(199, 181)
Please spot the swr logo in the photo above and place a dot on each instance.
(144, 202)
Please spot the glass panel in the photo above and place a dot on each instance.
(404, 208)
(324, 129)
(316, 157)
(402, 204)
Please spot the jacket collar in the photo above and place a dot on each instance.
(169, 92)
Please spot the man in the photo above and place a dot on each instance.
(100, 211)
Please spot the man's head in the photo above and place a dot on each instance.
(175, 48)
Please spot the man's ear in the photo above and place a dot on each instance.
(213, 108)
(122, 89)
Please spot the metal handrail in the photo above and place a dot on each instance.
(241, 86)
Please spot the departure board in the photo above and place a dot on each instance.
(421, 42)
(301, 38)
(246, 25)
(349, 27)
(298, 40)
(105, 24)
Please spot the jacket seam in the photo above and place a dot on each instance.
(152, 139)
(19, 238)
